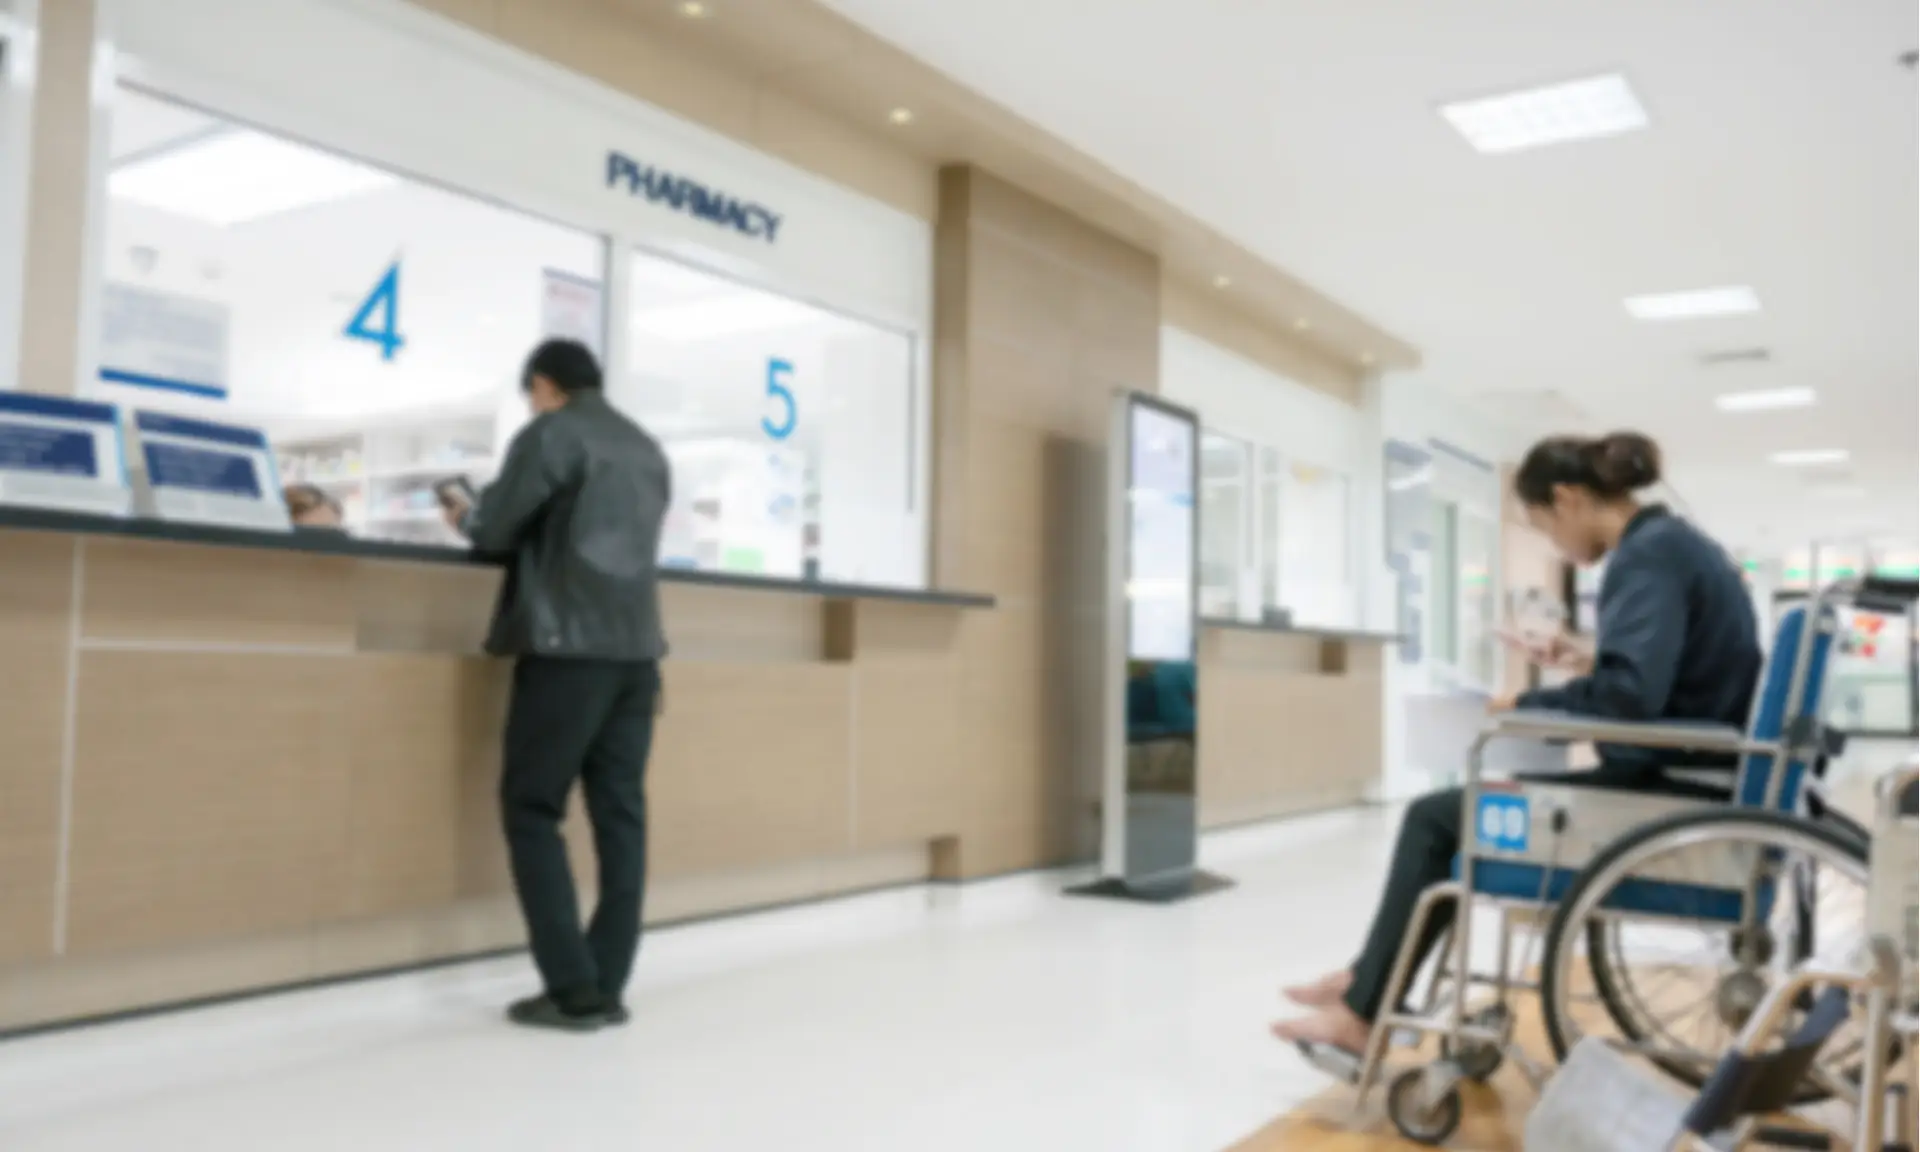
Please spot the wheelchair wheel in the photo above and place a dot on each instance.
(1419, 1119)
(1673, 978)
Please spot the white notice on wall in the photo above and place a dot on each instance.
(154, 339)
(571, 308)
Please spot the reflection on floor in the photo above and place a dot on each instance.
(995, 1016)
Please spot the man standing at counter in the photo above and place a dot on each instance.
(576, 510)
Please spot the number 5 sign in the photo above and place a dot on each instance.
(779, 372)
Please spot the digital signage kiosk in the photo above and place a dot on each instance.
(1149, 800)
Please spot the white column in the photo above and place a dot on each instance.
(70, 91)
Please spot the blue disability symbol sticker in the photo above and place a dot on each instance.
(1504, 822)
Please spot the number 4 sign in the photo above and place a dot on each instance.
(384, 300)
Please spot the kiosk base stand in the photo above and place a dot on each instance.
(1154, 890)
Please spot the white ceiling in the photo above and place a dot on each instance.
(1782, 155)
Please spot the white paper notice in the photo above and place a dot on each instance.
(571, 308)
(158, 340)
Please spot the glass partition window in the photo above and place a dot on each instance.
(1316, 546)
(371, 325)
(790, 428)
(1476, 552)
(1226, 485)
(1870, 684)
(1443, 607)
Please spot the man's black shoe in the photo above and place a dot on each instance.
(544, 1012)
(617, 1014)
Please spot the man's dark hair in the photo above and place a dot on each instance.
(568, 363)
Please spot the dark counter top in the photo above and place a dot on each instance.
(1309, 630)
(320, 542)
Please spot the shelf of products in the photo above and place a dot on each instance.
(384, 475)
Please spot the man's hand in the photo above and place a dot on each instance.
(454, 512)
(1499, 704)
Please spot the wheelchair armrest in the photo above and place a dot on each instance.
(1686, 736)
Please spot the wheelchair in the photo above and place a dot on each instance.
(1617, 877)
(1600, 1101)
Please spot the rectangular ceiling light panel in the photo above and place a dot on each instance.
(1766, 400)
(1810, 457)
(239, 176)
(1556, 114)
(1697, 304)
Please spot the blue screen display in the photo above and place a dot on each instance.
(60, 451)
(202, 470)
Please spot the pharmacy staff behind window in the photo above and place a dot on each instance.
(310, 507)
(576, 513)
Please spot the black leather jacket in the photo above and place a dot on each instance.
(576, 511)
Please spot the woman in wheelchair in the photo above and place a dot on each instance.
(1677, 640)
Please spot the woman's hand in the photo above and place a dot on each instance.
(1568, 654)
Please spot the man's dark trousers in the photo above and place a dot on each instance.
(590, 720)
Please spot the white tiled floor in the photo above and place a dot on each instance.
(997, 1016)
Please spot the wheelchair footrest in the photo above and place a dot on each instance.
(1338, 1063)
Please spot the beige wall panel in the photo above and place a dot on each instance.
(80, 987)
(482, 15)
(210, 796)
(906, 751)
(184, 593)
(1117, 339)
(751, 766)
(1000, 207)
(1217, 318)
(595, 40)
(680, 898)
(816, 140)
(1005, 530)
(440, 608)
(36, 593)
(1020, 292)
(694, 71)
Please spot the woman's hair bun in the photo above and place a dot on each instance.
(1623, 462)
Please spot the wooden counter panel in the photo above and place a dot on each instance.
(423, 608)
(734, 624)
(423, 825)
(36, 595)
(1276, 742)
(751, 766)
(210, 796)
(1252, 648)
(141, 592)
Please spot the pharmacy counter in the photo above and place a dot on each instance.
(238, 760)
(1290, 718)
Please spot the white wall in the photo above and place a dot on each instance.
(16, 124)
(1238, 398)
